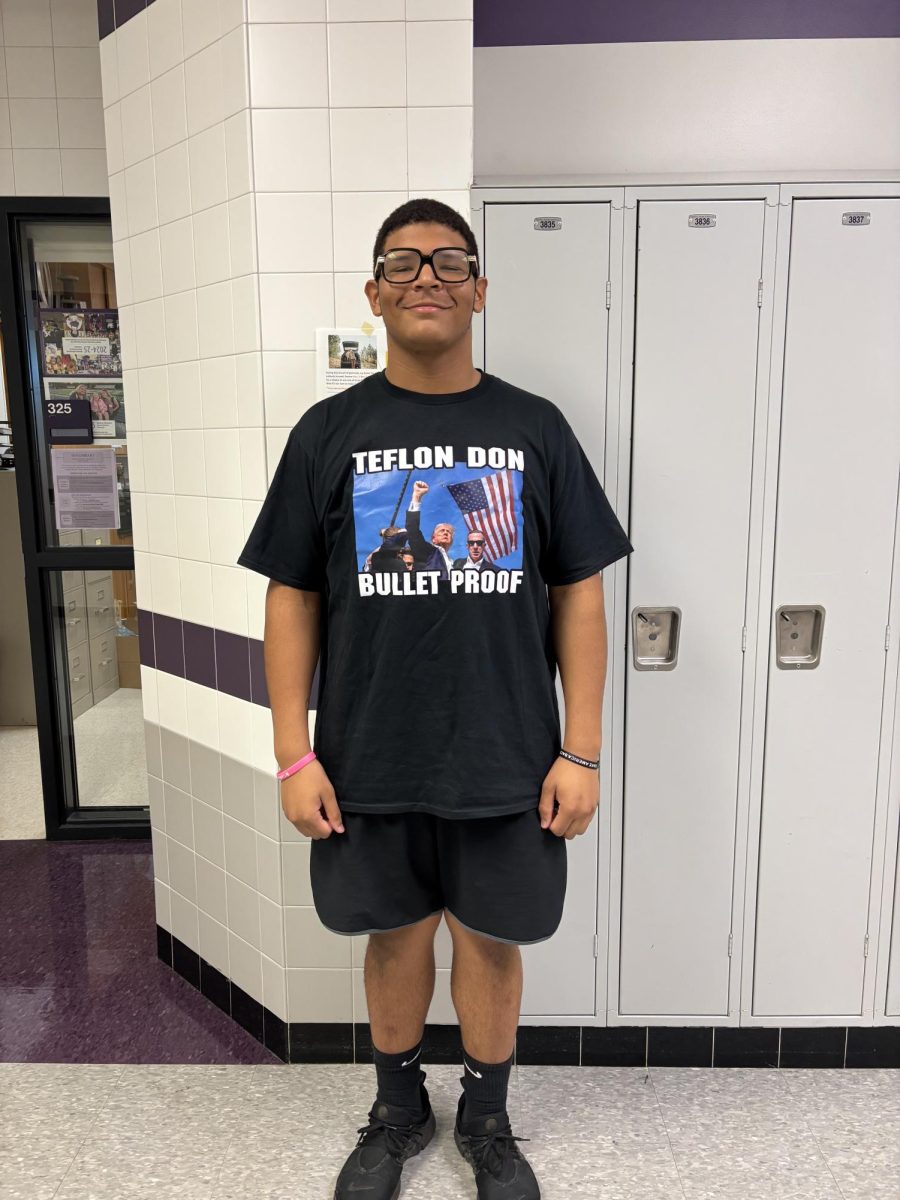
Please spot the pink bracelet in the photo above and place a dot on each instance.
(295, 767)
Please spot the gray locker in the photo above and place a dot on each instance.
(836, 513)
(892, 1006)
(695, 368)
(545, 330)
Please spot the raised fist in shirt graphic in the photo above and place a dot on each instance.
(433, 555)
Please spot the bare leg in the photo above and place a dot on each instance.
(486, 987)
(399, 977)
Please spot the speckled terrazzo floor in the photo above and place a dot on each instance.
(105, 1132)
(119, 1081)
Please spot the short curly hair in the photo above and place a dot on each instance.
(426, 210)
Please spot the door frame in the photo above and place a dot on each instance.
(56, 743)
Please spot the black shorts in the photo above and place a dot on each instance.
(503, 877)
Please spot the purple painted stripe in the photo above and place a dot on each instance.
(199, 654)
(259, 693)
(575, 22)
(233, 664)
(169, 641)
(112, 14)
(106, 17)
(211, 657)
(146, 646)
(126, 9)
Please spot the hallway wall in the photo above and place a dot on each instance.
(685, 86)
(51, 113)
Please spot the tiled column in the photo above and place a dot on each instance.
(253, 154)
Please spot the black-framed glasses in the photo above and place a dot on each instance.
(402, 264)
(475, 542)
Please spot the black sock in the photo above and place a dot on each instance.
(485, 1086)
(399, 1078)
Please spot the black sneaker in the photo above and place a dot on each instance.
(502, 1172)
(372, 1172)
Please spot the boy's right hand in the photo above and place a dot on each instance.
(309, 803)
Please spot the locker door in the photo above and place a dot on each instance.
(545, 319)
(837, 500)
(545, 330)
(892, 1007)
(696, 343)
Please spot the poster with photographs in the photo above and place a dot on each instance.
(344, 356)
(81, 342)
(106, 398)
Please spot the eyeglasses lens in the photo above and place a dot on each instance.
(450, 266)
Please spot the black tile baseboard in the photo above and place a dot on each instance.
(328, 1042)
(569, 1045)
(680, 1046)
(555, 1045)
(751, 1047)
(823, 1046)
(613, 1046)
(873, 1046)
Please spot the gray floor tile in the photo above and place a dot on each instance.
(282, 1132)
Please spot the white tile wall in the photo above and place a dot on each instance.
(27, 22)
(52, 134)
(166, 47)
(367, 62)
(369, 150)
(288, 66)
(168, 104)
(133, 46)
(366, 10)
(206, 154)
(250, 164)
(286, 10)
(430, 45)
(81, 125)
(33, 123)
(307, 168)
(177, 250)
(137, 126)
(112, 120)
(77, 71)
(285, 221)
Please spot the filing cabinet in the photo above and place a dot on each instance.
(90, 621)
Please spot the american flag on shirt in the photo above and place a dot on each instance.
(488, 504)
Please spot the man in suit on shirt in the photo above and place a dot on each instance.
(433, 555)
(475, 560)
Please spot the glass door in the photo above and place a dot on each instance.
(78, 539)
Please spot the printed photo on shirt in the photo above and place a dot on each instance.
(430, 520)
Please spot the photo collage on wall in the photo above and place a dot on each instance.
(81, 360)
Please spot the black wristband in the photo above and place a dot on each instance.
(583, 762)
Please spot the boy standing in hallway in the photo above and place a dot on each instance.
(439, 787)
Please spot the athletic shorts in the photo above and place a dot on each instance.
(503, 877)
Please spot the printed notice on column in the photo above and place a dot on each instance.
(344, 356)
(85, 492)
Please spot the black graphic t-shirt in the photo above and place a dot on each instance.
(432, 525)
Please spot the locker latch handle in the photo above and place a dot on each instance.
(654, 638)
(798, 636)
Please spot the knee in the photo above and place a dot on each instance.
(408, 942)
(499, 956)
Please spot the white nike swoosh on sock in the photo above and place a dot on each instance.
(413, 1059)
(477, 1074)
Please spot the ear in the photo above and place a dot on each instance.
(480, 293)
(371, 290)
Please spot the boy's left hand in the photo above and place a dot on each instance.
(576, 792)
